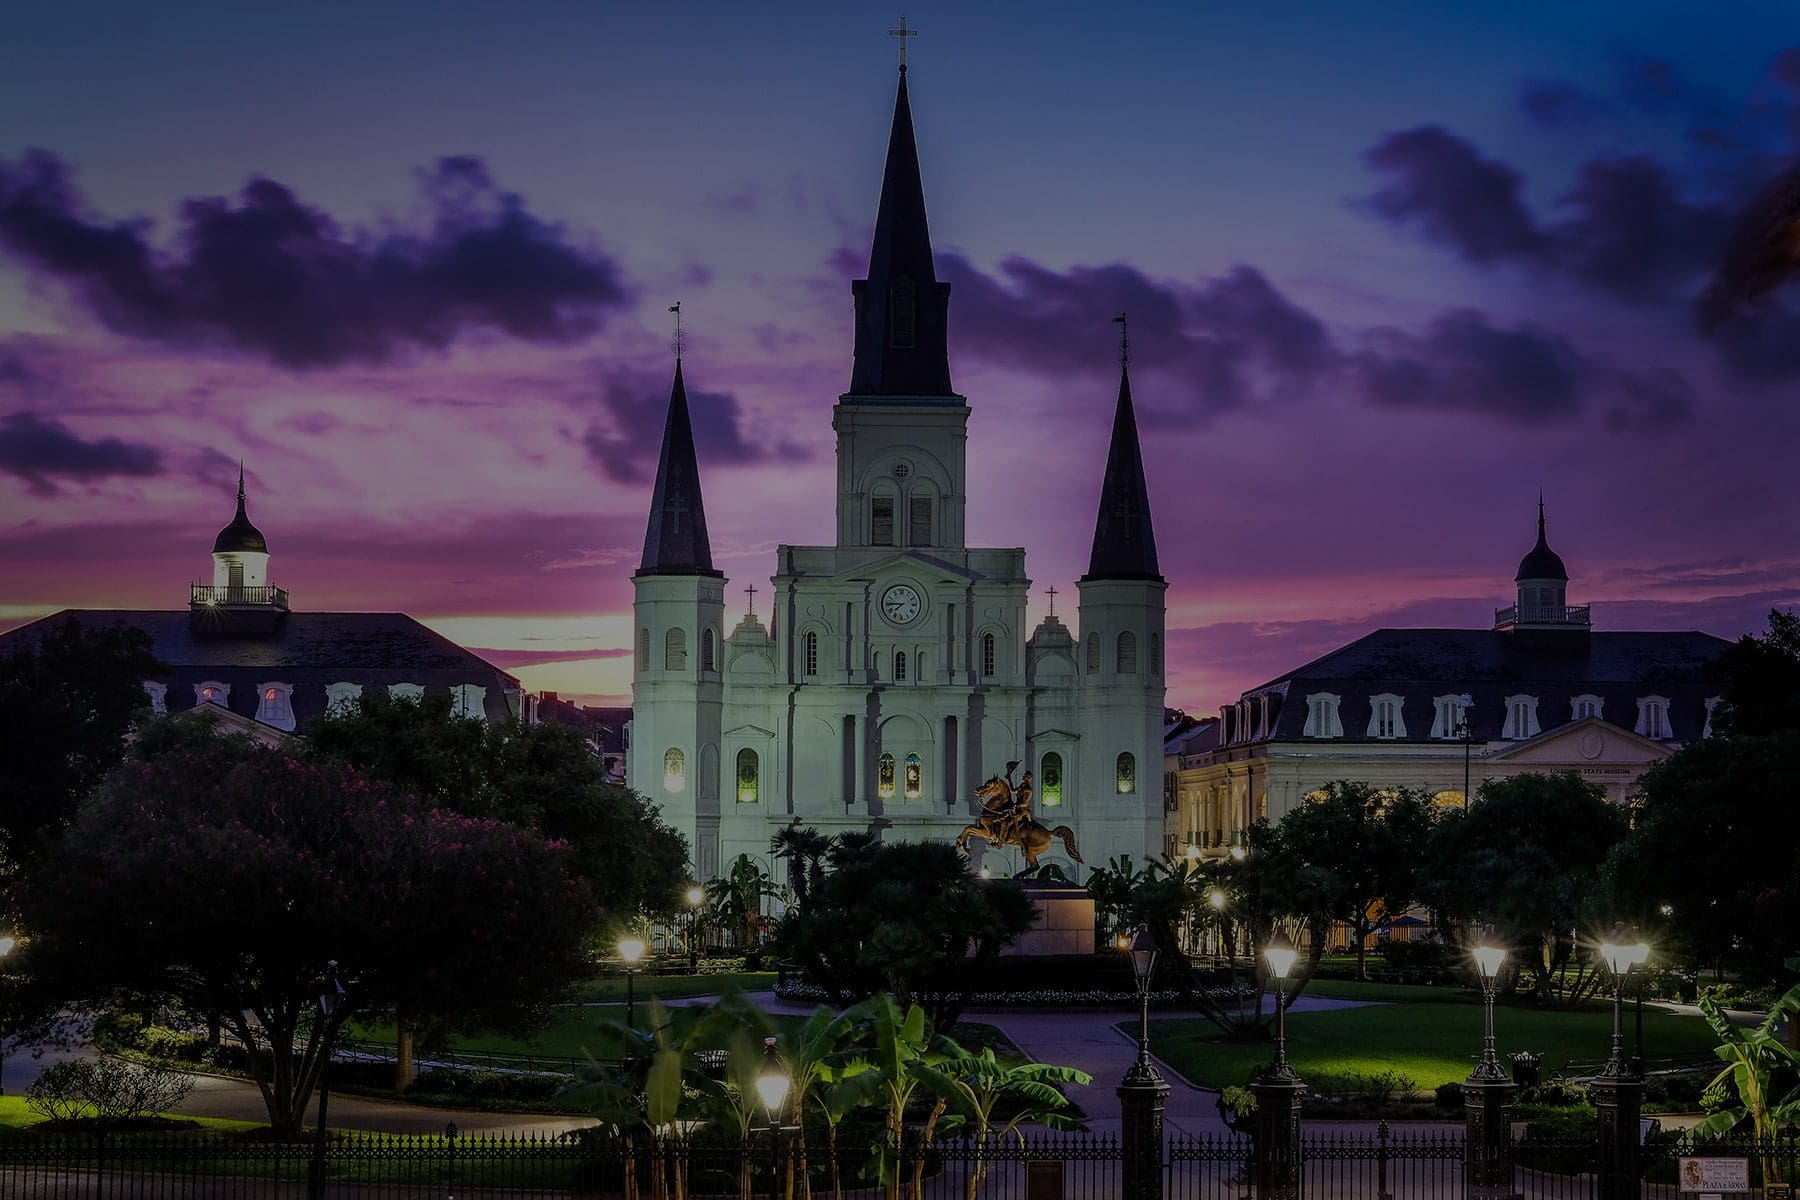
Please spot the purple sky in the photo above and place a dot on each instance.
(412, 262)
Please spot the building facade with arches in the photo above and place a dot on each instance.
(897, 670)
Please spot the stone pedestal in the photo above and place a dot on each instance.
(1065, 923)
(1618, 1102)
(1278, 1163)
(1487, 1117)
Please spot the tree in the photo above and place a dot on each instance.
(910, 919)
(976, 1085)
(805, 851)
(1527, 858)
(1713, 859)
(1759, 680)
(227, 878)
(736, 899)
(1752, 1057)
(67, 701)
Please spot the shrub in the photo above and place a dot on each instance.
(1450, 1096)
(159, 1041)
(1555, 1095)
(1378, 1087)
(488, 1085)
(119, 1031)
(1418, 954)
(112, 1090)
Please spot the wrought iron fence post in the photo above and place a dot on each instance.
(1142, 1094)
(1487, 1137)
(450, 1161)
(1618, 1101)
(1278, 1136)
(1382, 1134)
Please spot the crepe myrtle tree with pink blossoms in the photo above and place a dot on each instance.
(229, 878)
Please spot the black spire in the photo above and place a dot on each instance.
(240, 537)
(1124, 542)
(901, 308)
(675, 540)
(1542, 562)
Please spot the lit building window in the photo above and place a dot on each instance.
(468, 700)
(1653, 718)
(1385, 720)
(915, 776)
(675, 650)
(749, 777)
(1050, 780)
(884, 777)
(274, 704)
(1128, 653)
(342, 697)
(1521, 718)
(158, 694)
(212, 692)
(674, 770)
(812, 652)
(1447, 714)
(1322, 716)
(987, 655)
(1125, 774)
(407, 691)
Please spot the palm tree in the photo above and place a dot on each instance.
(974, 1084)
(805, 851)
(737, 898)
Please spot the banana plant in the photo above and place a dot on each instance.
(973, 1085)
(896, 1043)
(843, 1087)
(1751, 1056)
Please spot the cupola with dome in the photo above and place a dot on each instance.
(240, 598)
(1543, 583)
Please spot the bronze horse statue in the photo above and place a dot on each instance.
(1006, 820)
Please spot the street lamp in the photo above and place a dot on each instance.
(772, 1083)
(1466, 736)
(1141, 946)
(696, 896)
(1487, 1092)
(7, 943)
(1621, 952)
(1488, 958)
(1280, 955)
(631, 949)
(331, 999)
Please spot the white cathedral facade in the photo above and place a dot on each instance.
(897, 671)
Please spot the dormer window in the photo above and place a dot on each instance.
(1521, 718)
(1322, 716)
(212, 692)
(274, 705)
(1712, 702)
(342, 697)
(406, 691)
(1584, 706)
(1448, 714)
(1653, 718)
(1385, 721)
(468, 700)
(158, 694)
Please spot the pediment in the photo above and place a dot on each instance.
(913, 561)
(1060, 734)
(1589, 740)
(749, 731)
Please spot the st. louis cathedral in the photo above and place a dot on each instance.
(896, 673)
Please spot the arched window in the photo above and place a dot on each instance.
(1156, 654)
(1448, 714)
(643, 649)
(884, 777)
(468, 700)
(812, 652)
(900, 664)
(1050, 780)
(1125, 774)
(342, 697)
(918, 520)
(274, 704)
(674, 770)
(1093, 652)
(915, 776)
(749, 777)
(407, 691)
(1585, 706)
(1521, 718)
(1653, 718)
(1128, 653)
(1387, 719)
(675, 650)
(881, 521)
(1322, 719)
(212, 692)
(987, 655)
(706, 651)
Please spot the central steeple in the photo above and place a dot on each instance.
(901, 308)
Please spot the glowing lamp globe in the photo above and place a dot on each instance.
(1487, 955)
(631, 949)
(772, 1080)
(1280, 954)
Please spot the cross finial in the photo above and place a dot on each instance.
(677, 344)
(1051, 592)
(750, 591)
(240, 481)
(903, 33)
(1124, 340)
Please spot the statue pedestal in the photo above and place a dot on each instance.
(1065, 923)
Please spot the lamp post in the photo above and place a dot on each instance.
(1142, 1092)
(1278, 1091)
(331, 1000)
(7, 943)
(1487, 1092)
(1617, 1090)
(631, 949)
(772, 1083)
(696, 896)
(1466, 736)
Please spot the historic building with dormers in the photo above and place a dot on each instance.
(897, 671)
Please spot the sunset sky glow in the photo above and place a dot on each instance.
(1390, 271)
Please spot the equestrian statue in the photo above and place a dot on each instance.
(1006, 820)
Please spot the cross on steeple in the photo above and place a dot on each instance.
(677, 344)
(750, 591)
(903, 33)
(1124, 340)
(1051, 592)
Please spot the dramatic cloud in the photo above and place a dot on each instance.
(1441, 183)
(39, 451)
(624, 445)
(1235, 339)
(270, 276)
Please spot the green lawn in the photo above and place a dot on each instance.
(677, 986)
(17, 1118)
(1433, 1043)
(1390, 993)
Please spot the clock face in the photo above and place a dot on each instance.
(900, 603)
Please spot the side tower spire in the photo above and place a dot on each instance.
(901, 308)
(1124, 539)
(675, 541)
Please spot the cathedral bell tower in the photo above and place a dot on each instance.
(1121, 651)
(678, 614)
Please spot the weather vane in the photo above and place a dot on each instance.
(1124, 340)
(677, 344)
(903, 33)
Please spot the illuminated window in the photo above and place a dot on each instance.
(1125, 774)
(884, 777)
(706, 651)
(1128, 653)
(749, 777)
(1322, 716)
(1050, 780)
(881, 521)
(212, 692)
(342, 697)
(406, 691)
(812, 652)
(1448, 798)
(158, 694)
(1583, 707)
(1653, 718)
(900, 665)
(1385, 719)
(1521, 718)
(674, 770)
(915, 776)
(1093, 654)
(987, 655)
(675, 650)
(468, 700)
(274, 704)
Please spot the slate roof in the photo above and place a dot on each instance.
(675, 540)
(307, 649)
(1490, 665)
(1124, 540)
(240, 536)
